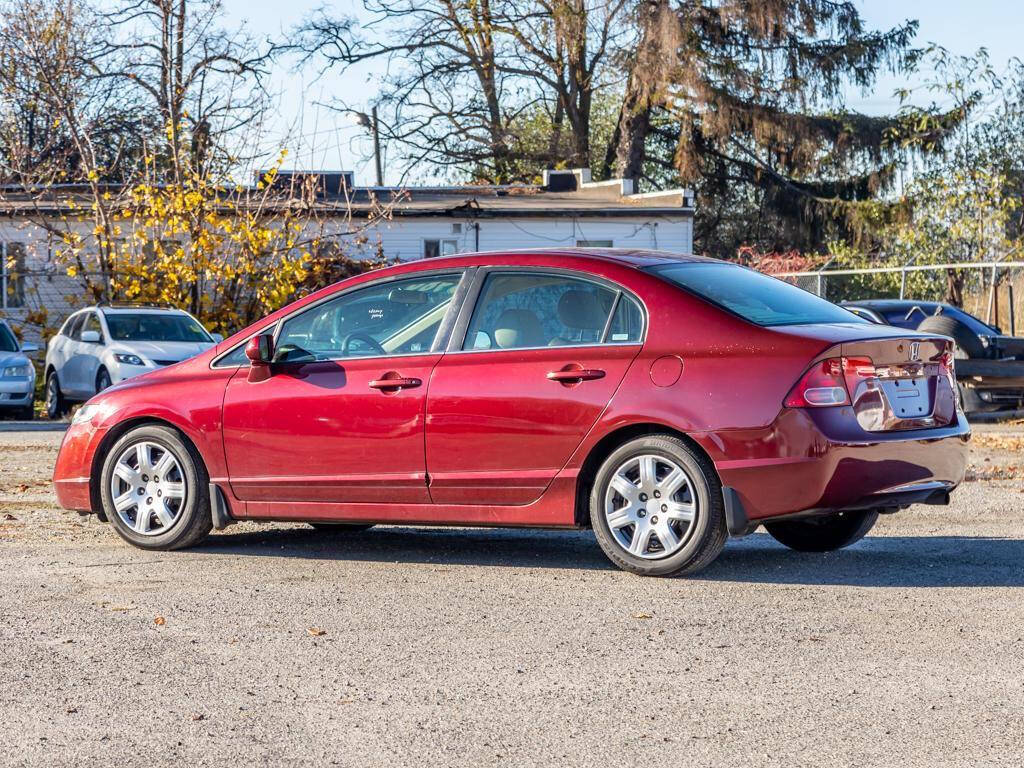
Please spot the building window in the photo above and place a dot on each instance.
(12, 275)
(432, 248)
(594, 244)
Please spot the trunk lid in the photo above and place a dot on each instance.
(896, 379)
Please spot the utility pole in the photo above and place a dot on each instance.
(372, 124)
(376, 146)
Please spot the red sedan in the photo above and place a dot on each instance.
(667, 402)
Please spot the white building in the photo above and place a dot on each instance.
(568, 209)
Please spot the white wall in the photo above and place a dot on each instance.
(402, 238)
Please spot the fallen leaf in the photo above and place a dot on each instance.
(9, 517)
(159, 621)
(316, 631)
(198, 716)
(642, 616)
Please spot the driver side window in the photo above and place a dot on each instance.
(396, 317)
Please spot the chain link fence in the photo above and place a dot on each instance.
(991, 288)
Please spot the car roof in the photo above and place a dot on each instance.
(115, 309)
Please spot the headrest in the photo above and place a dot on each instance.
(518, 328)
(581, 309)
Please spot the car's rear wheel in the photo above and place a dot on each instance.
(155, 489)
(656, 507)
(56, 405)
(341, 527)
(823, 534)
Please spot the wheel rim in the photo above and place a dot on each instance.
(104, 381)
(148, 488)
(51, 395)
(650, 506)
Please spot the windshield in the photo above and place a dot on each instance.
(755, 297)
(150, 326)
(7, 341)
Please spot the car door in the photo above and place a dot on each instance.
(88, 354)
(76, 351)
(540, 357)
(61, 350)
(341, 417)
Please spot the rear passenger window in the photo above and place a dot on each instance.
(529, 310)
(627, 322)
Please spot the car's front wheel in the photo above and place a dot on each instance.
(102, 380)
(155, 489)
(56, 405)
(823, 534)
(656, 507)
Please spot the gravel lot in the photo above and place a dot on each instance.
(410, 646)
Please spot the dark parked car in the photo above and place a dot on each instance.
(666, 402)
(989, 366)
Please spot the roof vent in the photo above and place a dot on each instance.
(326, 184)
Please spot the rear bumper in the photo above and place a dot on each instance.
(817, 461)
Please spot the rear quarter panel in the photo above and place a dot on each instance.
(732, 375)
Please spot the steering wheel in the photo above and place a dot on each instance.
(363, 337)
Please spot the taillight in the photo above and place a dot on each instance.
(856, 370)
(947, 367)
(829, 382)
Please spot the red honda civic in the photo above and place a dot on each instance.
(666, 402)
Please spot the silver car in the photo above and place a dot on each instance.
(17, 374)
(103, 345)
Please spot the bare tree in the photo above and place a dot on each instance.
(466, 76)
(203, 82)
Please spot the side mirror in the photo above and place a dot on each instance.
(260, 349)
(90, 337)
(28, 346)
(218, 337)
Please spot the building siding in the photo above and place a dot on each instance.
(401, 239)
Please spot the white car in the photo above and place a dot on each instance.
(103, 345)
(17, 374)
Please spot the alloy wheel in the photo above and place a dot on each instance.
(55, 405)
(650, 506)
(148, 488)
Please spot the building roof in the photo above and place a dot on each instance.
(563, 194)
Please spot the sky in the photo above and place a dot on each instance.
(328, 140)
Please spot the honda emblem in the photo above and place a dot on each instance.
(915, 349)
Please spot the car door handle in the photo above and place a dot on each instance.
(575, 375)
(395, 383)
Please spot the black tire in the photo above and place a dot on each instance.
(56, 405)
(102, 380)
(703, 538)
(193, 521)
(967, 341)
(341, 527)
(823, 534)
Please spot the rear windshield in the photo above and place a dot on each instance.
(150, 326)
(755, 297)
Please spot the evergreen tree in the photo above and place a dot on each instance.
(753, 92)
